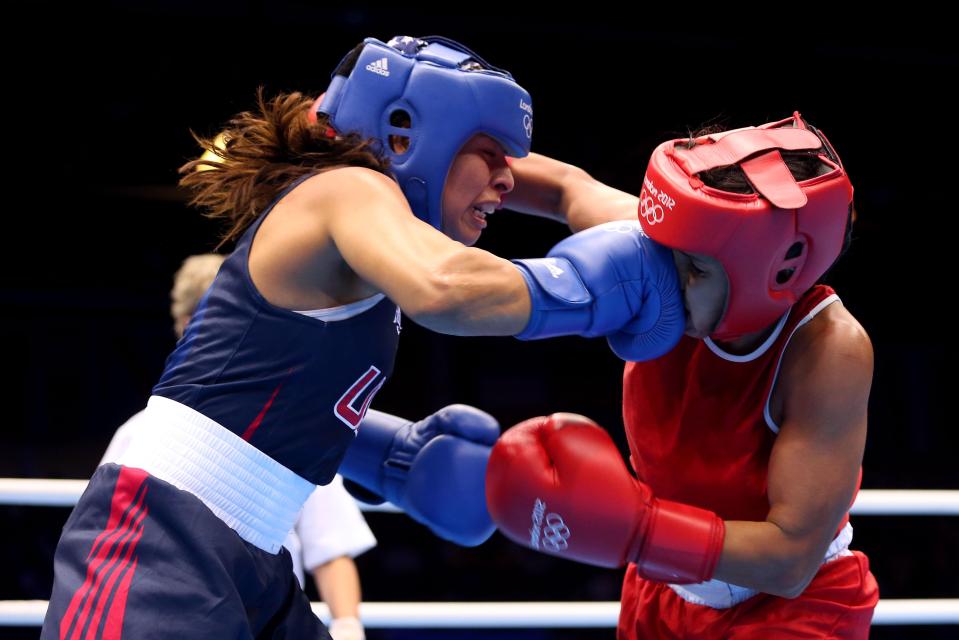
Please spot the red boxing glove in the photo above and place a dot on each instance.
(557, 484)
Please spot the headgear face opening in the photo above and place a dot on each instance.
(775, 243)
(433, 94)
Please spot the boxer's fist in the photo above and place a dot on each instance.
(433, 469)
(558, 484)
(610, 280)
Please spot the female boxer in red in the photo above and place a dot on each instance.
(747, 438)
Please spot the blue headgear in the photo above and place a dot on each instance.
(447, 93)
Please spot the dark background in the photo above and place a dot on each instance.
(99, 105)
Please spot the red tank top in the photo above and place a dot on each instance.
(698, 422)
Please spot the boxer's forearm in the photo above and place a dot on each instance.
(563, 192)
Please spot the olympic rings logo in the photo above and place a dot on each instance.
(548, 528)
(555, 533)
(528, 125)
(648, 209)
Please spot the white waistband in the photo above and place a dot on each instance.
(722, 595)
(251, 492)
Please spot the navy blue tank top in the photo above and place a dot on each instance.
(293, 386)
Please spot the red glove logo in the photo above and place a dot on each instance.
(555, 534)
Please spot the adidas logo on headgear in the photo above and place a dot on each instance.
(381, 66)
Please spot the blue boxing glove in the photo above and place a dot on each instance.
(610, 280)
(434, 469)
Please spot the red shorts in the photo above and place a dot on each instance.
(838, 603)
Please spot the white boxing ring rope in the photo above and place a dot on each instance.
(66, 493)
(539, 615)
(518, 615)
(869, 502)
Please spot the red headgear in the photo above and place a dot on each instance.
(774, 243)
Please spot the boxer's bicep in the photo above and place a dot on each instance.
(438, 282)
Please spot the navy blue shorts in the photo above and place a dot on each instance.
(141, 559)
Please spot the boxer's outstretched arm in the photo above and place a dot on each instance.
(606, 281)
(563, 192)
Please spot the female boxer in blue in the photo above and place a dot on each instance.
(344, 212)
